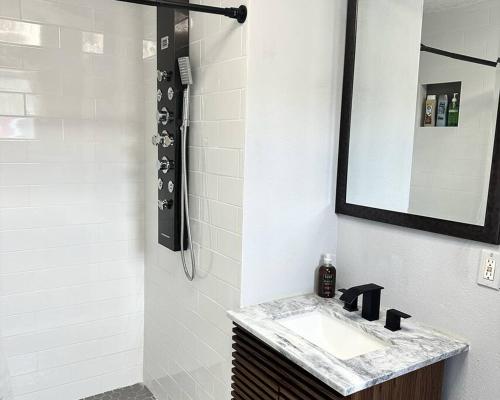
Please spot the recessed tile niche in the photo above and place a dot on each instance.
(438, 89)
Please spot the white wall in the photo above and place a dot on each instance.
(451, 166)
(187, 333)
(71, 206)
(293, 110)
(433, 278)
(383, 126)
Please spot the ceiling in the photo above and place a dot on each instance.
(439, 5)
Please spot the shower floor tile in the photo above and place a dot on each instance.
(135, 392)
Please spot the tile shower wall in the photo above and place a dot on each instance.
(187, 335)
(71, 196)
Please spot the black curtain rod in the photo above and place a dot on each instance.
(239, 14)
(457, 56)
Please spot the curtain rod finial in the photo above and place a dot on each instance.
(240, 14)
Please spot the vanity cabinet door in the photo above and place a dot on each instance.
(250, 380)
(260, 372)
(252, 377)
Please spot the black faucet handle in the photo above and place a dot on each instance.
(349, 306)
(393, 319)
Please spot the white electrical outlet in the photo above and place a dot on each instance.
(489, 269)
(488, 274)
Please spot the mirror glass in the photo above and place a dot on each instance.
(424, 107)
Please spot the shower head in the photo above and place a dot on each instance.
(185, 70)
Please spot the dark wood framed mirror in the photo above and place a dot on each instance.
(404, 158)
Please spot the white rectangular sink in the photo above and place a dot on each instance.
(332, 335)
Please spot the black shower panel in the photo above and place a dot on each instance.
(173, 43)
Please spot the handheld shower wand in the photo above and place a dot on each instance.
(187, 81)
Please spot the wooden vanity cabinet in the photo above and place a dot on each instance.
(262, 373)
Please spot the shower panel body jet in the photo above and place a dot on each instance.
(172, 44)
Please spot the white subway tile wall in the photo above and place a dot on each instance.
(187, 334)
(71, 196)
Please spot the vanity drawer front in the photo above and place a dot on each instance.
(256, 365)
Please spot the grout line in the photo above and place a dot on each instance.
(135, 296)
(79, 324)
(72, 305)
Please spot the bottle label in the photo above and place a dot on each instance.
(327, 284)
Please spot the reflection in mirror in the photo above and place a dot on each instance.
(423, 122)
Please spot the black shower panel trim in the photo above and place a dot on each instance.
(238, 13)
(173, 43)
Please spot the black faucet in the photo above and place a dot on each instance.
(371, 300)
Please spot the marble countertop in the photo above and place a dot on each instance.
(414, 347)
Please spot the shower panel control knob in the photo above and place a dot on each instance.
(165, 204)
(165, 139)
(165, 165)
(164, 116)
(165, 75)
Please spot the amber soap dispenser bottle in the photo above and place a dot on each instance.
(327, 277)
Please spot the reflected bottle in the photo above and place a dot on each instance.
(326, 278)
(442, 110)
(454, 111)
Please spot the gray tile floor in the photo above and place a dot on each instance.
(135, 392)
